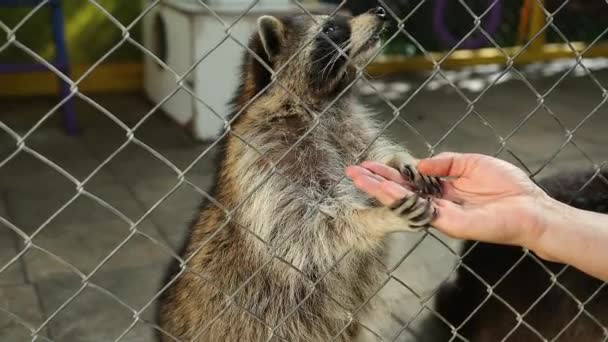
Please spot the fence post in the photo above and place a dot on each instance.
(62, 63)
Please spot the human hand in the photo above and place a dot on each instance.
(484, 199)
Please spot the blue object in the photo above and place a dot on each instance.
(61, 58)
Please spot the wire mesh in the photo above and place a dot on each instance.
(471, 23)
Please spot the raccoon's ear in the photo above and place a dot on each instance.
(272, 34)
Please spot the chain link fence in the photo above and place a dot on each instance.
(421, 300)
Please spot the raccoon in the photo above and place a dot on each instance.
(291, 251)
(548, 311)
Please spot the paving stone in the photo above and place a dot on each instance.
(107, 305)
(31, 208)
(20, 313)
(10, 262)
(175, 213)
(22, 113)
(398, 315)
(84, 233)
(427, 263)
(157, 131)
(393, 306)
(575, 98)
(85, 246)
(27, 171)
(135, 164)
(420, 263)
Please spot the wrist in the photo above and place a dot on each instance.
(546, 216)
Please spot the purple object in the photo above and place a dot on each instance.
(61, 58)
(490, 24)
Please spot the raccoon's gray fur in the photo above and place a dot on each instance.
(527, 288)
(296, 257)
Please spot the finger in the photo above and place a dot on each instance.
(393, 192)
(385, 171)
(450, 164)
(386, 192)
(390, 173)
(372, 187)
(447, 164)
(354, 172)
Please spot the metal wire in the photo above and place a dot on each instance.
(21, 146)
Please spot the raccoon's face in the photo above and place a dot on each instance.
(316, 55)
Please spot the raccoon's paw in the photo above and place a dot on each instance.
(418, 211)
(425, 185)
(422, 184)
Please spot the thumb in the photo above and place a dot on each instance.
(447, 164)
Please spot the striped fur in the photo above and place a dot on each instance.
(300, 252)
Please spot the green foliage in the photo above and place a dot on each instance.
(89, 32)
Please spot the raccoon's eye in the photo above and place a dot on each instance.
(329, 28)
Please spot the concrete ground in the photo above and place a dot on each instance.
(66, 284)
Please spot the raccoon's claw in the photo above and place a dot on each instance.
(425, 185)
(417, 210)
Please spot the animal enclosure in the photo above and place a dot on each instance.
(90, 220)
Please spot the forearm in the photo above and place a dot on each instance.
(573, 236)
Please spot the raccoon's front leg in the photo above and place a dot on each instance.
(418, 211)
(411, 213)
(423, 185)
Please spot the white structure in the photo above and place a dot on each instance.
(181, 33)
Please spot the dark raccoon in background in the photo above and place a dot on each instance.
(525, 284)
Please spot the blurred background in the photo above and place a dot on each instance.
(110, 113)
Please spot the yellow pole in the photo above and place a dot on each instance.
(537, 22)
(524, 22)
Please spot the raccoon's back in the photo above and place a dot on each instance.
(548, 308)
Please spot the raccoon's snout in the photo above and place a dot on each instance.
(380, 12)
(378, 28)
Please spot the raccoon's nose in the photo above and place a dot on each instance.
(380, 12)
